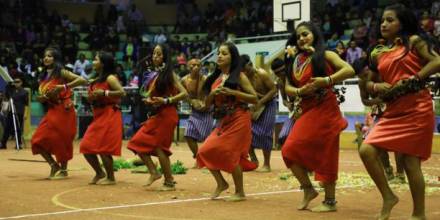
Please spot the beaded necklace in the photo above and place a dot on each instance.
(299, 65)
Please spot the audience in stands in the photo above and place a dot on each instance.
(27, 27)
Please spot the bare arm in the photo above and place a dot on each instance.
(269, 84)
(291, 90)
(73, 79)
(374, 84)
(433, 59)
(200, 89)
(115, 86)
(343, 69)
(182, 91)
(182, 82)
(210, 98)
(365, 96)
(247, 95)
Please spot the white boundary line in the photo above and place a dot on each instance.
(151, 204)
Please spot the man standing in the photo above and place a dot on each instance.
(263, 113)
(278, 69)
(20, 99)
(200, 122)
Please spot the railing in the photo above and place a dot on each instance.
(241, 39)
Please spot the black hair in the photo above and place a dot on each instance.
(245, 59)
(165, 79)
(359, 65)
(57, 63)
(318, 57)
(234, 70)
(409, 26)
(277, 63)
(108, 65)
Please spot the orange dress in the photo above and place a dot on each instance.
(228, 144)
(104, 134)
(313, 141)
(407, 125)
(57, 128)
(157, 131)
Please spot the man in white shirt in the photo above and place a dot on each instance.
(80, 65)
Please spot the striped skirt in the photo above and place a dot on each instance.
(285, 130)
(263, 127)
(199, 125)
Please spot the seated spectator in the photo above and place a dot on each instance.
(427, 23)
(121, 74)
(437, 25)
(120, 26)
(333, 41)
(367, 18)
(181, 59)
(182, 70)
(80, 65)
(159, 38)
(360, 35)
(340, 50)
(131, 50)
(135, 15)
(133, 79)
(353, 52)
(327, 26)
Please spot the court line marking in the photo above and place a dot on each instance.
(78, 210)
(75, 210)
(55, 199)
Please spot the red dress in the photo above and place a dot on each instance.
(313, 141)
(407, 125)
(57, 128)
(157, 131)
(228, 145)
(104, 134)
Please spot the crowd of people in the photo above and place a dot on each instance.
(27, 27)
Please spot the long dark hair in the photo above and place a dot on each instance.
(108, 65)
(57, 63)
(234, 70)
(409, 26)
(318, 58)
(165, 79)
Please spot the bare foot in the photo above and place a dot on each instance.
(108, 182)
(97, 178)
(324, 208)
(54, 168)
(388, 205)
(418, 217)
(235, 198)
(61, 174)
(309, 195)
(166, 187)
(219, 190)
(152, 179)
(264, 169)
(195, 166)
